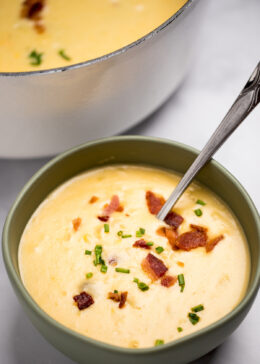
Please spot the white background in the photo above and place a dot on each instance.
(229, 50)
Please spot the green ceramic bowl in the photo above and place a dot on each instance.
(136, 150)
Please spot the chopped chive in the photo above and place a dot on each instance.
(200, 202)
(120, 233)
(88, 252)
(158, 342)
(103, 268)
(36, 58)
(181, 281)
(106, 228)
(150, 243)
(64, 55)
(193, 317)
(197, 308)
(198, 212)
(122, 270)
(139, 233)
(123, 236)
(98, 252)
(126, 236)
(159, 249)
(180, 329)
(141, 285)
(89, 275)
(115, 291)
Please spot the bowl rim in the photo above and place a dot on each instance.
(17, 282)
(106, 56)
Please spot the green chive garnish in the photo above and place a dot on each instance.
(197, 308)
(181, 281)
(180, 329)
(122, 270)
(89, 275)
(88, 252)
(106, 228)
(194, 318)
(36, 58)
(158, 342)
(139, 233)
(64, 55)
(200, 202)
(115, 291)
(123, 236)
(198, 212)
(141, 285)
(103, 268)
(98, 252)
(159, 249)
(150, 243)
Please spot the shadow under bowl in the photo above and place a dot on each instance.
(139, 151)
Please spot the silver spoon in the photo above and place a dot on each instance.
(244, 104)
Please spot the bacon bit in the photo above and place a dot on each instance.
(168, 281)
(213, 242)
(83, 300)
(170, 234)
(112, 261)
(118, 297)
(141, 244)
(93, 199)
(32, 9)
(123, 298)
(174, 219)
(192, 239)
(103, 218)
(154, 202)
(180, 264)
(154, 267)
(113, 206)
(76, 223)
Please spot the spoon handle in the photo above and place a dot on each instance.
(247, 100)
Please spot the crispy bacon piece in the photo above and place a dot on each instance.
(154, 202)
(213, 242)
(32, 9)
(168, 281)
(83, 300)
(170, 234)
(93, 199)
(195, 238)
(113, 206)
(174, 219)
(76, 223)
(118, 297)
(103, 218)
(141, 244)
(123, 298)
(154, 267)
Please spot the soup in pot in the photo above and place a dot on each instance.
(42, 34)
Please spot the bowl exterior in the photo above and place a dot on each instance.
(143, 151)
(46, 113)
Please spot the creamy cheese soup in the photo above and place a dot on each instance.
(95, 257)
(42, 34)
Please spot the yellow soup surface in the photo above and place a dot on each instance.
(60, 258)
(75, 31)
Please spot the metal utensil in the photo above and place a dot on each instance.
(244, 104)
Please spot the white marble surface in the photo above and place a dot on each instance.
(229, 51)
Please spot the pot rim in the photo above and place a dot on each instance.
(119, 51)
(19, 286)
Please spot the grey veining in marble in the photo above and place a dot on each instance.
(229, 51)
